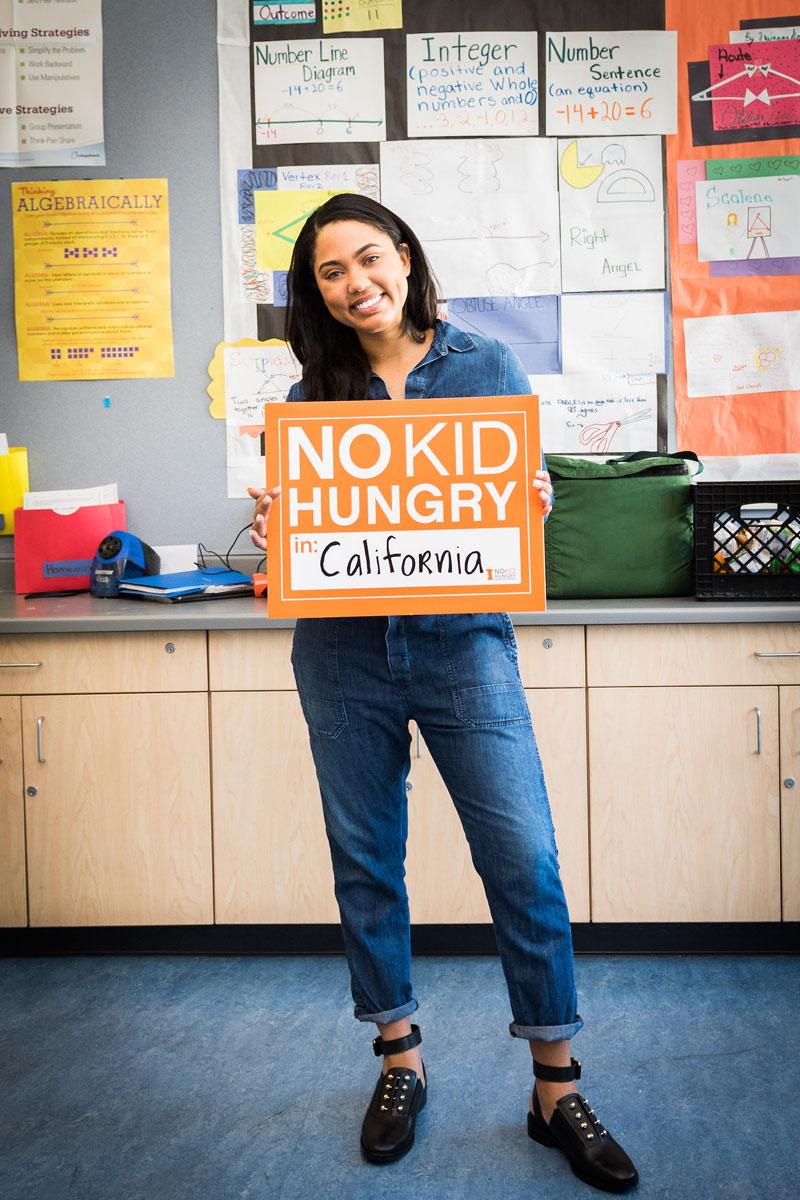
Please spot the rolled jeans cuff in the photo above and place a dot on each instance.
(391, 1014)
(546, 1033)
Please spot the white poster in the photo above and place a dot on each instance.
(782, 33)
(613, 333)
(51, 83)
(748, 218)
(319, 90)
(747, 352)
(612, 214)
(255, 376)
(463, 84)
(485, 210)
(604, 83)
(597, 414)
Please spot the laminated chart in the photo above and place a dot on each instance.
(611, 197)
(92, 279)
(319, 90)
(464, 84)
(486, 229)
(51, 83)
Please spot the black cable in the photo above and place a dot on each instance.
(224, 559)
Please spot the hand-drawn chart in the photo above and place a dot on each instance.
(260, 283)
(597, 414)
(529, 324)
(744, 352)
(748, 218)
(463, 84)
(753, 85)
(319, 91)
(486, 211)
(612, 214)
(613, 333)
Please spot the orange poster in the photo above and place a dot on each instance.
(404, 506)
(738, 124)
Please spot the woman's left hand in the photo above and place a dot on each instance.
(545, 489)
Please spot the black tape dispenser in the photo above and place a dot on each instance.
(120, 555)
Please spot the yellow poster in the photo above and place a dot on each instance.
(358, 16)
(92, 279)
(280, 215)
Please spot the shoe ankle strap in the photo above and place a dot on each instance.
(397, 1045)
(557, 1074)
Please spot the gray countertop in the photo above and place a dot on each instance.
(85, 614)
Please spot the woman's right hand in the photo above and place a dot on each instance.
(263, 499)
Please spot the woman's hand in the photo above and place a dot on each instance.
(545, 489)
(263, 499)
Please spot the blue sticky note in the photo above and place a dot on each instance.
(249, 181)
(529, 324)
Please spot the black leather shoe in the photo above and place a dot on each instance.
(400, 1095)
(592, 1152)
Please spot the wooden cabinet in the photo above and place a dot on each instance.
(684, 810)
(114, 778)
(672, 751)
(685, 778)
(442, 882)
(272, 864)
(13, 903)
(790, 800)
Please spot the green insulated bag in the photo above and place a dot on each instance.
(621, 527)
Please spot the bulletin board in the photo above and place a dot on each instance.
(526, 309)
(736, 317)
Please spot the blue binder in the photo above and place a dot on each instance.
(206, 583)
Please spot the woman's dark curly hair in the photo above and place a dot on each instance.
(335, 366)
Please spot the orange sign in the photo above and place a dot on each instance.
(404, 506)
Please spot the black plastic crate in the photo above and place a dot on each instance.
(752, 554)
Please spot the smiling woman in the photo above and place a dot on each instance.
(362, 321)
(361, 293)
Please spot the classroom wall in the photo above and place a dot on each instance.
(156, 440)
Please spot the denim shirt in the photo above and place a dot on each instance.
(457, 364)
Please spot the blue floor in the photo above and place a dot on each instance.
(142, 1078)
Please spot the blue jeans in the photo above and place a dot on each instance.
(360, 680)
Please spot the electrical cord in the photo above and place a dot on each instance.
(223, 558)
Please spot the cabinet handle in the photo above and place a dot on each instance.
(419, 752)
(758, 731)
(40, 739)
(777, 653)
(17, 666)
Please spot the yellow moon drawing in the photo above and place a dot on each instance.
(573, 173)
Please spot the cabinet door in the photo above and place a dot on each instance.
(790, 801)
(119, 826)
(442, 883)
(13, 904)
(683, 807)
(271, 858)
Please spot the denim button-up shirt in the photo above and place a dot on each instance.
(457, 364)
